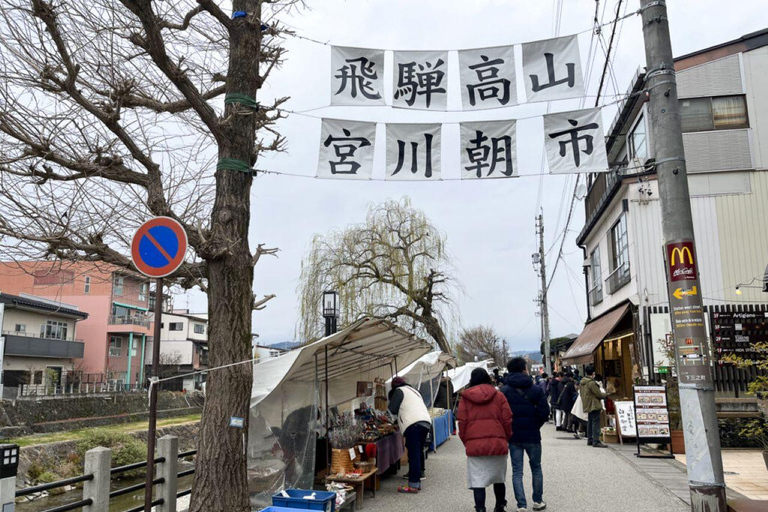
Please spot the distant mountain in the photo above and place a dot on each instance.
(532, 354)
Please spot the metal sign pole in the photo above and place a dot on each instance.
(153, 394)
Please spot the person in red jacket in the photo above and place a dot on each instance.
(485, 426)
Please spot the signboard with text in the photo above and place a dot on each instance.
(625, 416)
(687, 314)
(735, 332)
(651, 413)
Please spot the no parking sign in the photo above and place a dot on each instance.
(159, 247)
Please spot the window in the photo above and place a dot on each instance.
(134, 348)
(20, 328)
(720, 113)
(199, 329)
(619, 256)
(143, 291)
(638, 140)
(48, 277)
(87, 288)
(115, 346)
(596, 290)
(54, 330)
(176, 326)
(118, 285)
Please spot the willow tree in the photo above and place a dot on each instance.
(394, 266)
(114, 111)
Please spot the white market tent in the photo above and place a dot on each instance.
(290, 393)
(460, 376)
(424, 374)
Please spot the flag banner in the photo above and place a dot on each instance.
(487, 78)
(421, 80)
(413, 152)
(346, 150)
(357, 76)
(552, 69)
(488, 150)
(574, 142)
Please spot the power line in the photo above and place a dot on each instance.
(608, 54)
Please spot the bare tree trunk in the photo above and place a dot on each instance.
(434, 329)
(221, 483)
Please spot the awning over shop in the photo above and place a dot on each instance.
(583, 349)
(460, 376)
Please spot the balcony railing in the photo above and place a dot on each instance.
(596, 295)
(618, 278)
(128, 320)
(39, 336)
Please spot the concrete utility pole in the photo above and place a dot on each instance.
(697, 395)
(543, 298)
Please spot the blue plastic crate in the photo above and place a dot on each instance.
(325, 501)
(279, 509)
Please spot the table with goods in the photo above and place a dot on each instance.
(442, 425)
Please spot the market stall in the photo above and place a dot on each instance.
(442, 425)
(297, 397)
(425, 373)
(460, 376)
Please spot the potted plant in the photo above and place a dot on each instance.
(610, 435)
(757, 431)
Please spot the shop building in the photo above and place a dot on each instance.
(724, 107)
(117, 301)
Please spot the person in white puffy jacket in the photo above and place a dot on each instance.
(415, 423)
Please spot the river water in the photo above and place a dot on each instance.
(118, 504)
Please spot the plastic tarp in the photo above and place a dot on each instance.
(288, 398)
(425, 373)
(460, 376)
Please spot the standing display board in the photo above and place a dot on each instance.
(625, 420)
(652, 417)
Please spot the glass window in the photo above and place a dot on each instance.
(20, 328)
(596, 291)
(199, 329)
(115, 346)
(729, 112)
(619, 243)
(697, 114)
(638, 140)
(118, 287)
(87, 288)
(120, 311)
(143, 291)
(54, 330)
(176, 326)
(134, 348)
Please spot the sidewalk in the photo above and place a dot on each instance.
(577, 478)
(745, 472)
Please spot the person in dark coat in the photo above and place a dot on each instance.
(529, 412)
(567, 399)
(485, 426)
(554, 396)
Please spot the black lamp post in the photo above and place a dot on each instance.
(330, 311)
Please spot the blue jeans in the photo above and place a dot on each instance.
(516, 452)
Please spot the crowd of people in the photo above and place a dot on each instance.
(501, 416)
(499, 419)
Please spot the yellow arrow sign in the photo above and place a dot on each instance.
(680, 293)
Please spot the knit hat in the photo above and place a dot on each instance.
(398, 382)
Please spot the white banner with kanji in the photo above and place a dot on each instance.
(357, 76)
(413, 152)
(574, 142)
(552, 69)
(420, 80)
(346, 150)
(487, 78)
(488, 150)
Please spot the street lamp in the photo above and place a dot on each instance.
(330, 311)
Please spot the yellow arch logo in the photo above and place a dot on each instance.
(681, 252)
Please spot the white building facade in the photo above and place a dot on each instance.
(183, 349)
(724, 102)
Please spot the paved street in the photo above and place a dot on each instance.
(576, 478)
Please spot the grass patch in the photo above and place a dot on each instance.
(85, 434)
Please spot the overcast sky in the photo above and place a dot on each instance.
(489, 224)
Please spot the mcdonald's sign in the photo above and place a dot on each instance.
(681, 261)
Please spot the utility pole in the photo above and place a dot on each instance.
(539, 260)
(697, 394)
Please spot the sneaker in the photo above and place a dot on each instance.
(599, 445)
(539, 506)
(589, 443)
(407, 489)
(521, 509)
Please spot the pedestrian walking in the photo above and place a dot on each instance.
(543, 383)
(554, 396)
(485, 427)
(529, 412)
(566, 400)
(415, 423)
(591, 396)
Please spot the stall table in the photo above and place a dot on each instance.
(389, 451)
(441, 427)
(359, 484)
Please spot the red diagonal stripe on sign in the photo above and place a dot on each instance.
(158, 246)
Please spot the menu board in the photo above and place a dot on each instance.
(651, 413)
(625, 416)
(735, 332)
